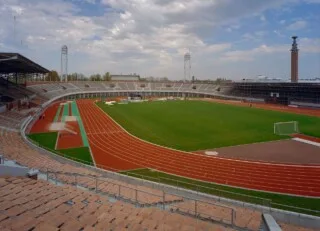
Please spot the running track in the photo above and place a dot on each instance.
(114, 147)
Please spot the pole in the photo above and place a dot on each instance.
(233, 216)
(96, 184)
(136, 196)
(163, 199)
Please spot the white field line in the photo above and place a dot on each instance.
(307, 141)
(191, 153)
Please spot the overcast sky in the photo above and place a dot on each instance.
(227, 38)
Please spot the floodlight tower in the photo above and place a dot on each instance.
(294, 60)
(187, 66)
(64, 64)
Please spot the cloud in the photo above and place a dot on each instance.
(250, 55)
(263, 18)
(255, 36)
(282, 22)
(298, 25)
(306, 46)
(279, 33)
(146, 37)
(313, 1)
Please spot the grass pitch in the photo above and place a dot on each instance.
(199, 125)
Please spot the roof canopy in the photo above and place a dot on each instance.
(16, 63)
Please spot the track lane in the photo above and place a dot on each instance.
(113, 147)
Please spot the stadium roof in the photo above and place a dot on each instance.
(16, 63)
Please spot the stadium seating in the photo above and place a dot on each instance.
(55, 89)
(28, 204)
(131, 86)
(39, 205)
(12, 119)
(14, 148)
(123, 86)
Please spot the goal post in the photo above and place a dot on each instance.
(286, 128)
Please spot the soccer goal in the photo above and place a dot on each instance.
(286, 128)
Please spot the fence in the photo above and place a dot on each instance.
(142, 198)
(159, 182)
(239, 199)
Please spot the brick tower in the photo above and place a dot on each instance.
(294, 60)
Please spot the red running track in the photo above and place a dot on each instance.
(112, 146)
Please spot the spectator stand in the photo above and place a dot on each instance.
(15, 70)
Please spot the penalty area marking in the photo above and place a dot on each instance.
(306, 141)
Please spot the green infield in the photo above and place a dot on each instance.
(199, 125)
(286, 202)
(48, 141)
(81, 154)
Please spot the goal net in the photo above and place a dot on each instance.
(286, 128)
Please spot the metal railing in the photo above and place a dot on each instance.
(142, 198)
(244, 200)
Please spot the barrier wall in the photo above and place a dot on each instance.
(13, 170)
(3, 108)
(306, 105)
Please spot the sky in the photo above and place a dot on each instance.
(232, 39)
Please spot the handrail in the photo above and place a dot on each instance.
(162, 199)
(251, 199)
(204, 187)
(155, 179)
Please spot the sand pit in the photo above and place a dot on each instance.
(62, 127)
(57, 126)
(70, 118)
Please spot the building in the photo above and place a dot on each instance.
(133, 77)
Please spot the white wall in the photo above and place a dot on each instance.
(13, 171)
(3, 108)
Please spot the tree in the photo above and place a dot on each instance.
(95, 77)
(73, 77)
(52, 76)
(81, 77)
(106, 77)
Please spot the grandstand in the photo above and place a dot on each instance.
(68, 195)
(301, 94)
(14, 71)
(279, 92)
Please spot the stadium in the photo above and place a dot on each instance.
(132, 155)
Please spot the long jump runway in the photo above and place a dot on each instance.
(114, 148)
